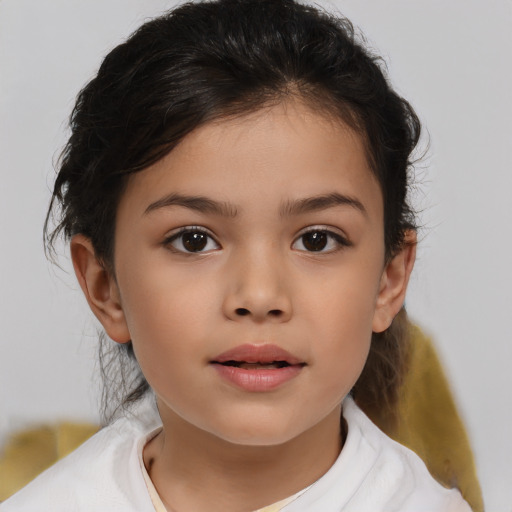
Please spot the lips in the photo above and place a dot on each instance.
(257, 367)
(254, 354)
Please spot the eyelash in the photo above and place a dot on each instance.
(193, 230)
(332, 237)
(326, 235)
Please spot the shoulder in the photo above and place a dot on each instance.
(402, 477)
(102, 474)
(374, 473)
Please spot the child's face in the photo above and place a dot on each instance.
(261, 230)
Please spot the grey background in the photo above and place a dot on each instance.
(451, 59)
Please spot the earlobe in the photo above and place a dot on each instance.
(393, 284)
(100, 288)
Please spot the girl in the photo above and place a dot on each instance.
(234, 192)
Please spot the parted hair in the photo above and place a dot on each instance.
(209, 60)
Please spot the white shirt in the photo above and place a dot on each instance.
(372, 474)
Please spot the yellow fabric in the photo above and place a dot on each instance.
(276, 507)
(30, 452)
(428, 424)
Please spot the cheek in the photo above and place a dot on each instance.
(341, 312)
(167, 316)
(165, 295)
(343, 342)
(343, 300)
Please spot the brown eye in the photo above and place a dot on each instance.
(191, 241)
(315, 240)
(320, 240)
(194, 242)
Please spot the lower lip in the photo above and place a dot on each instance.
(258, 380)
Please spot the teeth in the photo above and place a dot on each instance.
(231, 363)
(257, 366)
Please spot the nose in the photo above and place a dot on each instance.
(257, 289)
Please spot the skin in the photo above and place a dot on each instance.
(256, 282)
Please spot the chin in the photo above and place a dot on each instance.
(257, 438)
(259, 431)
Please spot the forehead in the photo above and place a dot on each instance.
(284, 152)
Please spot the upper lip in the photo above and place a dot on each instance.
(264, 354)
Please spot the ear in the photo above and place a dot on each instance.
(100, 288)
(393, 284)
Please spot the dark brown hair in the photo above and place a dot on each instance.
(209, 60)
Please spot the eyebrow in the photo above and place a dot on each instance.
(204, 204)
(321, 202)
(199, 203)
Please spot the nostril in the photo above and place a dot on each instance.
(276, 313)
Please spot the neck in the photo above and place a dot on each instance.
(195, 470)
